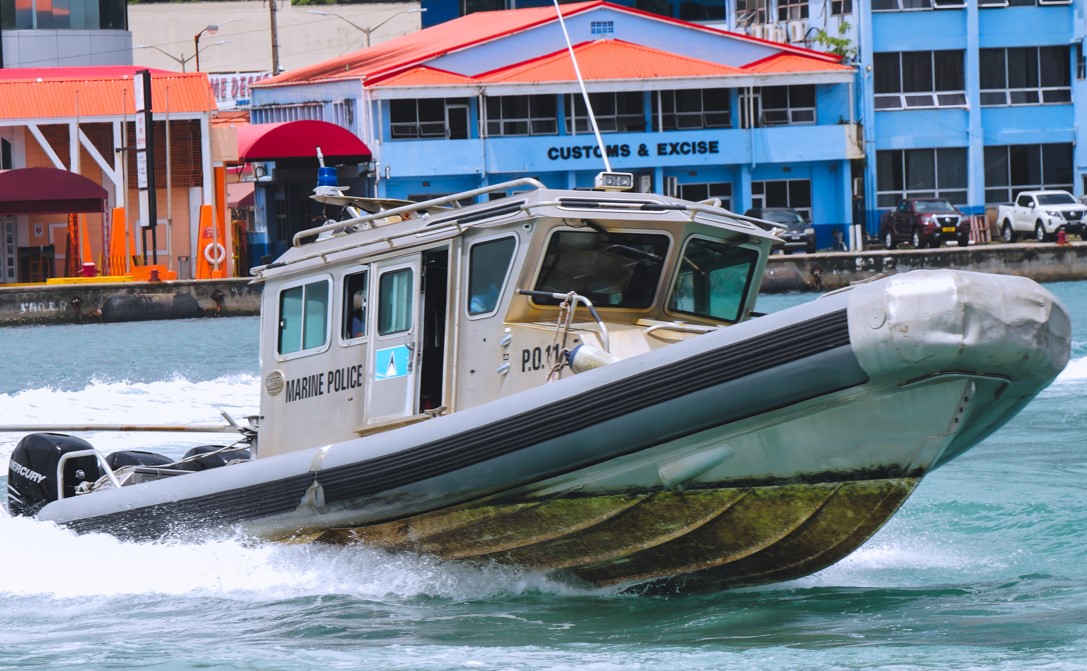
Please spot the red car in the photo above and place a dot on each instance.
(924, 222)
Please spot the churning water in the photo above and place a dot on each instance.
(985, 567)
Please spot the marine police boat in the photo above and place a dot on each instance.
(576, 381)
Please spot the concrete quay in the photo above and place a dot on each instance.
(96, 302)
(826, 271)
(87, 302)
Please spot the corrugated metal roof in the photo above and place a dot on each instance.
(608, 59)
(379, 62)
(43, 93)
(403, 52)
(425, 76)
(611, 59)
(782, 63)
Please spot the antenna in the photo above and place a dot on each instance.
(584, 93)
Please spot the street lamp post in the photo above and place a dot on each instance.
(182, 60)
(210, 30)
(367, 30)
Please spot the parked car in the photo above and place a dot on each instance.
(798, 237)
(924, 222)
(1042, 215)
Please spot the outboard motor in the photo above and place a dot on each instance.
(32, 470)
(210, 456)
(117, 460)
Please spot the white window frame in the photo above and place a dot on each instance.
(908, 100)
(1008, 94)
(329, 304)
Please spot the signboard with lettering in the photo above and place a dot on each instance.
(232, 90)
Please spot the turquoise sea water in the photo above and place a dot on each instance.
(985, 567)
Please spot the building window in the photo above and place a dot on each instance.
(428, 118)
(1021, 3)
(522, 115)
(1013, 168)
(5, 155)
(787, 105)
(751, 12)
(919, 79)
(903, 5)
(794, 193)
(706, 191)
(792, 10)
(841, 7)
(921, 173)
(69, 15)
(303, 317)
(1025, 76)
(693, 109)
(620, 112)
(602, 27)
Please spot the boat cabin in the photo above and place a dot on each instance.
(423, 309)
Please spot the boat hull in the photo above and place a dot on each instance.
(757, 453)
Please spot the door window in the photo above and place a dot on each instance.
(395, 292)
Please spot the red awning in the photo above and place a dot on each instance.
(298, 139)
(49, 191)
(239, 194)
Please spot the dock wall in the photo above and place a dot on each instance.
(94, 302)
(127, 301)
(834, 270)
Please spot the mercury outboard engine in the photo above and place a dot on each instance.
(32, 470)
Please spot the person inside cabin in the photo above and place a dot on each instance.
(488, 265)
(358, 314)
(354, 306)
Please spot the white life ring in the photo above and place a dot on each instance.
(219, 253)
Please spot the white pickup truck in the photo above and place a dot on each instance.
(1041, 215)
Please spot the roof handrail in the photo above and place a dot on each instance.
(337, 226)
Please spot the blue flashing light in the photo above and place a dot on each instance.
(326, 177)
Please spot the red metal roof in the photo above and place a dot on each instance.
(785, 62)
(39, 93)
(425, 76)
(398, 54)
(608, 59)
(384, 60)
(297, 139)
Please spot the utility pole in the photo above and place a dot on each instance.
(275, 37)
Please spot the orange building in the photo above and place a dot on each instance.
(68, 158)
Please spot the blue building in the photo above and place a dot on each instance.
(974, 100)
(690, 109)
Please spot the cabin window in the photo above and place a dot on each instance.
(713, 279)
(303, 317)
(395, 302)
(488, 266)
(619, 270)
(355, 299)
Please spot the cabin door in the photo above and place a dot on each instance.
(394, 353)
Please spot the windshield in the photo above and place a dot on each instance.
(620, 270)
(1056, 199)
(934, 206)
(713, 279)
(789, 217)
